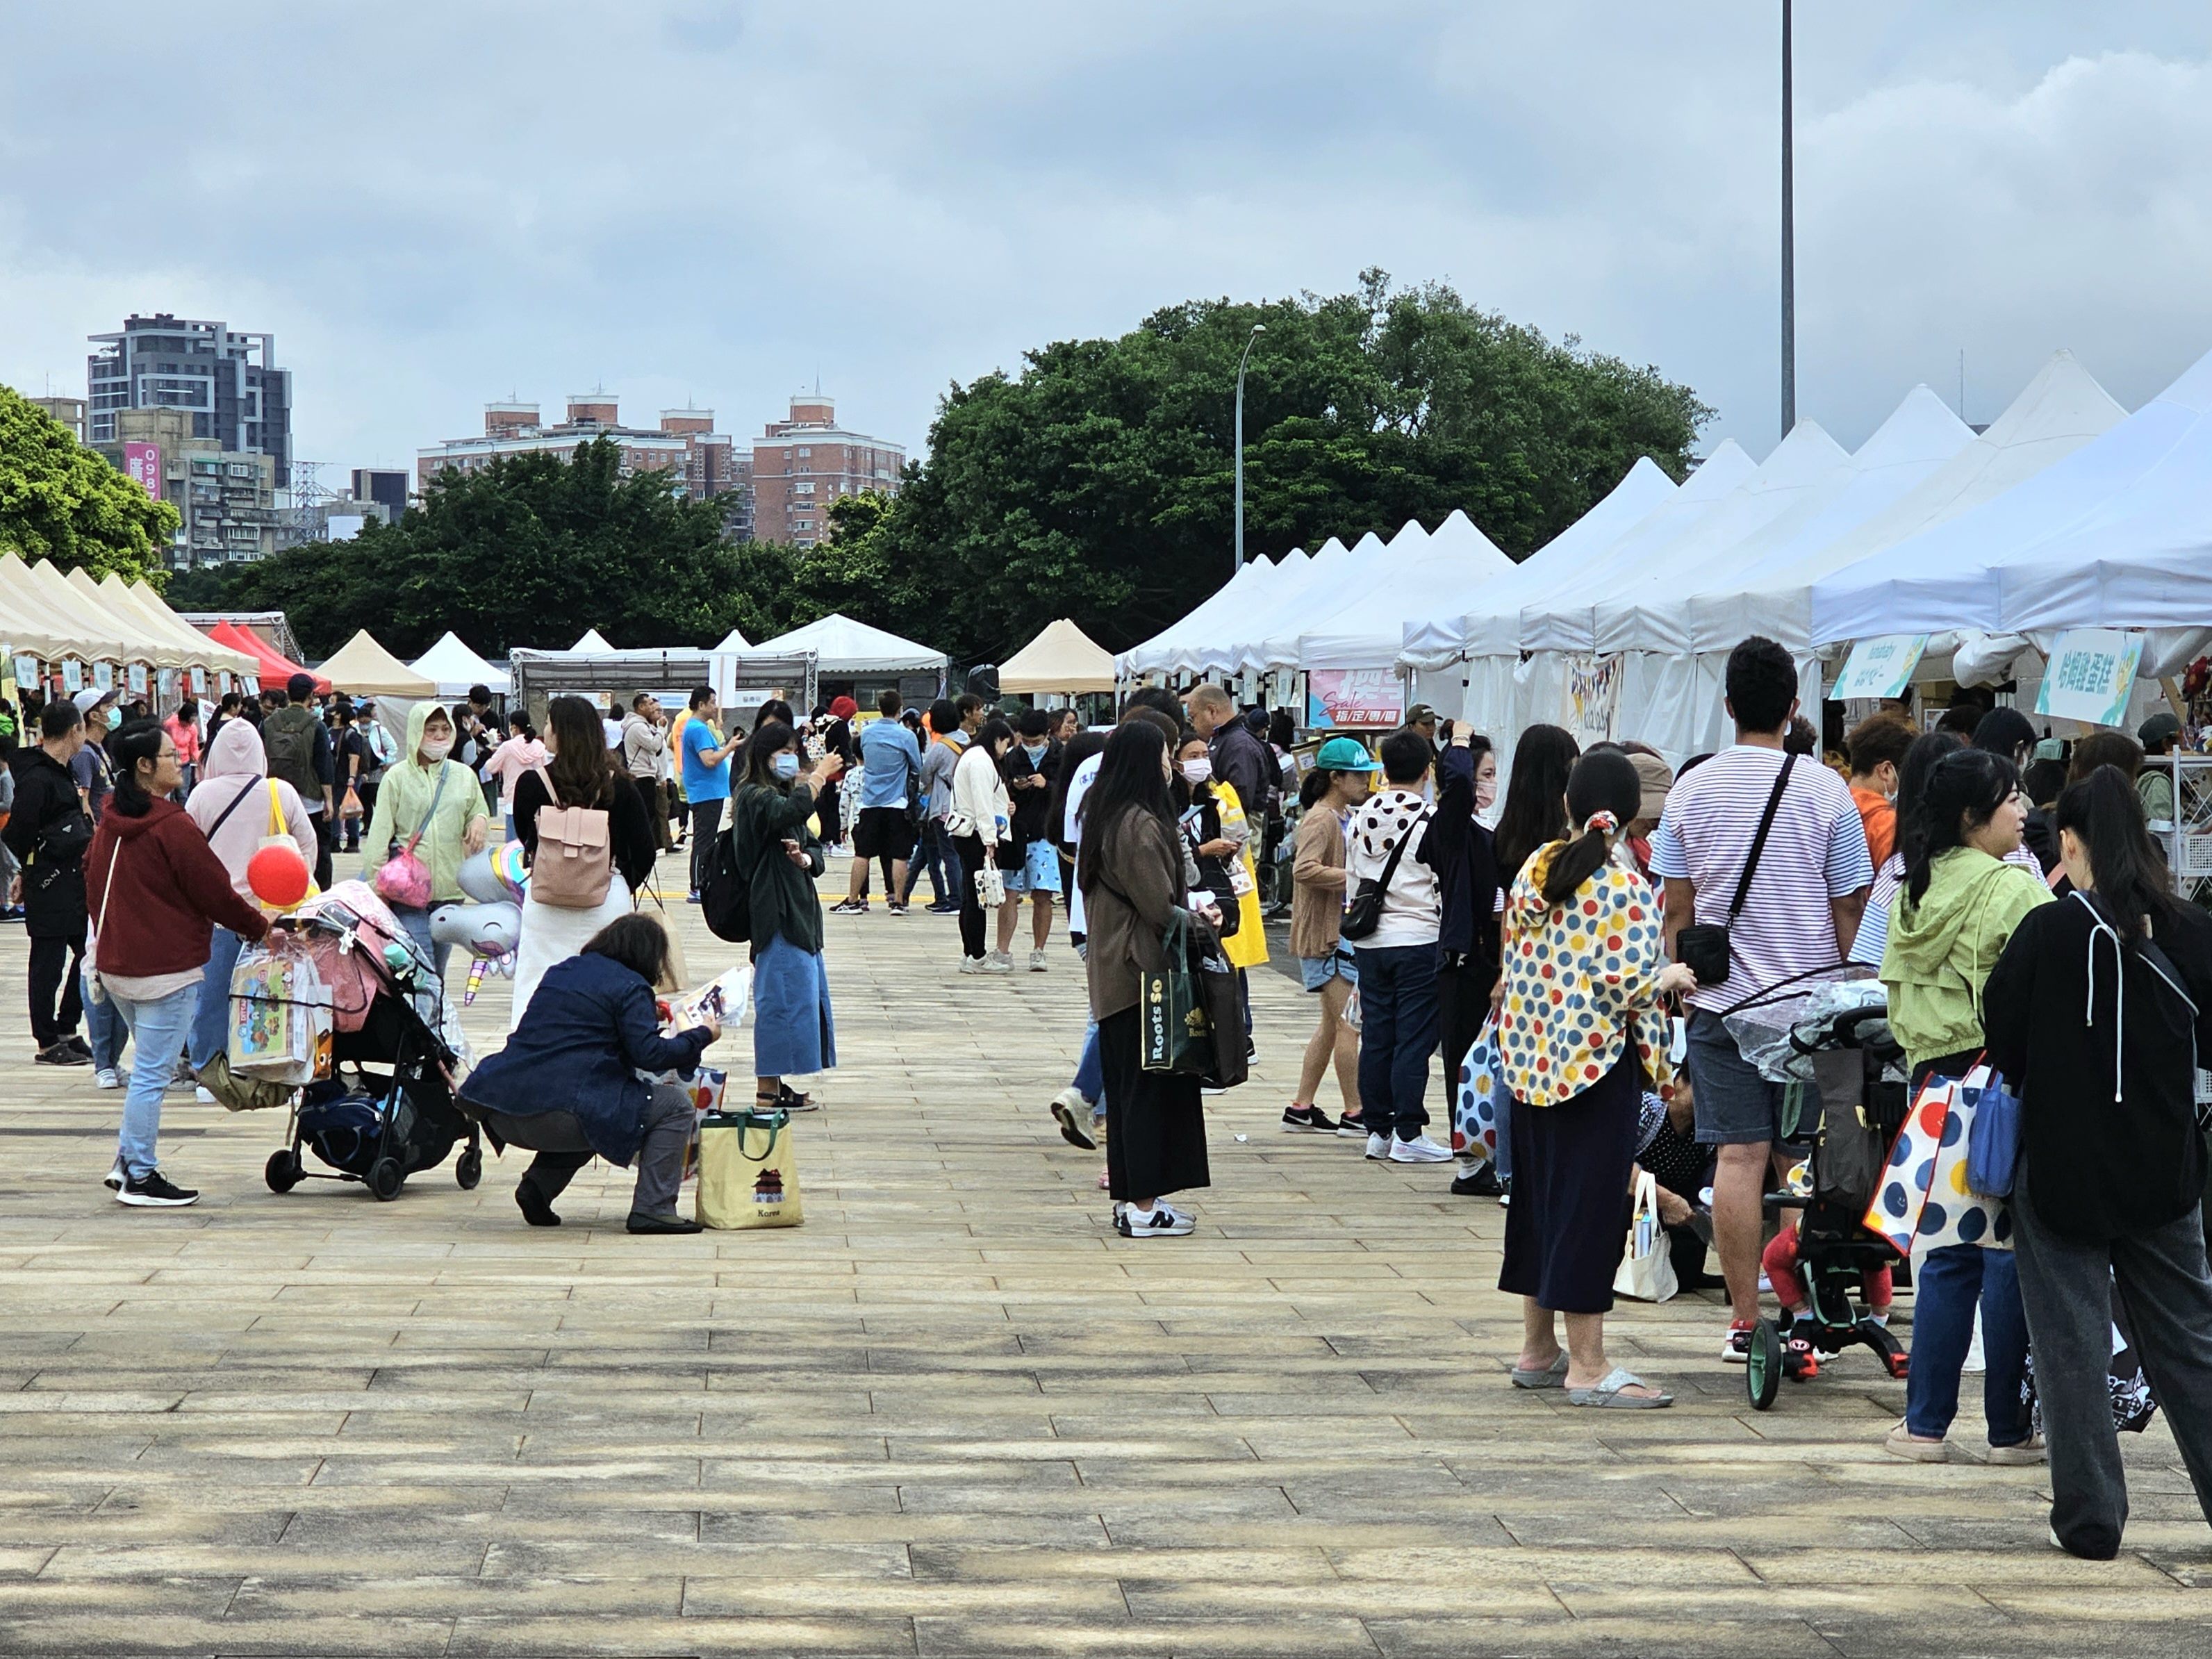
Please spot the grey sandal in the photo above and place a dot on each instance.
(1553, 1376)
(1607, 1395)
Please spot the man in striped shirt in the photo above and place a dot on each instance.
(1799, 916)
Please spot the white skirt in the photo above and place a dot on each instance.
(551, 934)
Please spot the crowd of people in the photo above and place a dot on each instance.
(1585, 934)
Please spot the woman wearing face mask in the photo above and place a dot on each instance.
(777, 838)
(1470, 895)
(432, 803)
(979, 824)
(1219, 836)
(1033, 868)
(1342, 777)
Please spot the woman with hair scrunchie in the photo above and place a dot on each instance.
(1579, 1031)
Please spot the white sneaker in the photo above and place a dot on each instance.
(114, 1179)
(975, 964)
(1419, 1150)
(107, 1077)
(1161, 1221)
(1378, 1145)
(1037, 964)
(997, 963)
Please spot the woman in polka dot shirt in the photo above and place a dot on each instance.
(1580, 1031)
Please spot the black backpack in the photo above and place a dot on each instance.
(725, 898)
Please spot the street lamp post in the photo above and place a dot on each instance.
(1258, 329)
(1788, 244)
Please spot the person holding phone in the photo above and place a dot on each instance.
(778, 842)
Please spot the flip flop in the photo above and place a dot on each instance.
(1607, 1395)
(1553, 1376)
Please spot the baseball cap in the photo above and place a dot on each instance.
(1345, 755)
(1657, 778)
(92, 698)
(299, 687)
(1419, 714)
(2157, 729)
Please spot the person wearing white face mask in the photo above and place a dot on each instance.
(1471, 892)
(1031, 862)
(430, 804)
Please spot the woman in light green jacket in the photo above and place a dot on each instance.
(450, 819)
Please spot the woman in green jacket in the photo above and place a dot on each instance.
(1954, 912)
(777, 845)
(439, 800)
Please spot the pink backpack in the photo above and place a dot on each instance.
(576, 861)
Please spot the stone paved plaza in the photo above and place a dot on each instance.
(950, 1415)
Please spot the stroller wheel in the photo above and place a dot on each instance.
(468, 1169)
(1762, 1370)
(283, 1172)
(386, 1178)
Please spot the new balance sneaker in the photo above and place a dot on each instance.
(1072, 1112)
(1037, 963)
(155, 1190)
(1308, 1119)
(1378, 1146)
(1736, 1349)
(1419, 1150)
(1481, 1182)
(849, 908)
(106, 1076)
(1161, 1221)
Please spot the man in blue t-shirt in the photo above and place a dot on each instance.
(891, 761)
(706, 776)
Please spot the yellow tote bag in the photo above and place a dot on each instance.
(748, 1170)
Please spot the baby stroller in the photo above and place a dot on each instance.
(1830, 1043)
(401, 1039)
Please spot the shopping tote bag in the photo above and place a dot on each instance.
(1482, 1103)
(1923, 1202)
(1647, 1266)
(748, 1170)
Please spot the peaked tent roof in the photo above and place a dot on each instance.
(1920, 436)
(1446, 570)
(842, 646)
(29, 623)
(193, 648)
(363, 665)
(276, 668)
(1271, 629)
(734, 640)
(142, 641)
(594, 644)
(89, 617)
(1553, 622)
(456, 668)
(1063, 658)
(2059, 411)
(1947, 576)
(1178, 644)
(1443, 631)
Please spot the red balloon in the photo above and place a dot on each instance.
(278, 876)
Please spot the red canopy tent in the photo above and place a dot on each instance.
(276, 667)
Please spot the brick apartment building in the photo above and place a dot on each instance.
(685, 443)
(802, 464)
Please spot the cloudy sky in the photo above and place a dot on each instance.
(433, 204)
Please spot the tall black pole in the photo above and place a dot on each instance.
(1789, 247)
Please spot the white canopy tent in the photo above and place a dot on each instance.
(1442, 571)
(734, 640)
(1267, 637)
(1954, 575)
(456, 668)
(843, 648)
(1173, 649)
(594, 644)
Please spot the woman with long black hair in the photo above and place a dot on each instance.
(1954, 913)
(1535, 811)
(582, 773)
(777, 842)
(1131, 873)
(2100, 1012)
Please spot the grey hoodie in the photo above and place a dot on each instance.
(235, 762)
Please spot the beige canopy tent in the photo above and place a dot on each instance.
(363, 667)
(194, 649)
(30, 624)
(142, 641)
(1062, 658)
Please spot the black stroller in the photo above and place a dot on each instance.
(1849, 1096)
(397, 1116)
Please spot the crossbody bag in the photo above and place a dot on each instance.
(1704, 948)
(1364, 914)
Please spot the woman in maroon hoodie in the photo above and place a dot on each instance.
(155, 892)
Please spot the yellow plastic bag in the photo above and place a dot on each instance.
(748, 1170)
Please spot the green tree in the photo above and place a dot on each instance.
(62, 501)
(1098, 483)
(531, 550)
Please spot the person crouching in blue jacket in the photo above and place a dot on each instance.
(567, 1085)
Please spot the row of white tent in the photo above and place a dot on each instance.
(2066, 513)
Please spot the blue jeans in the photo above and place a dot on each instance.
(1946, 1284)
(417, 924)
(1090, 1075)
(160, 1029)
(106, 1032)
(933, 853)
(1397, 1035)
(211, 1019)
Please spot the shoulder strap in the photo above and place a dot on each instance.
(1390, 864)
(1758, 841)
(224, 817)
(276, 825)
(431, 811)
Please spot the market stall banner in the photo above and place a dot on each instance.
(1881, 667)
(1593, 699)
(2090, 671)
(1363, 698)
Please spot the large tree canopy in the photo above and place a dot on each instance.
(1098, 482)
(62, 501)
(531, 551)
